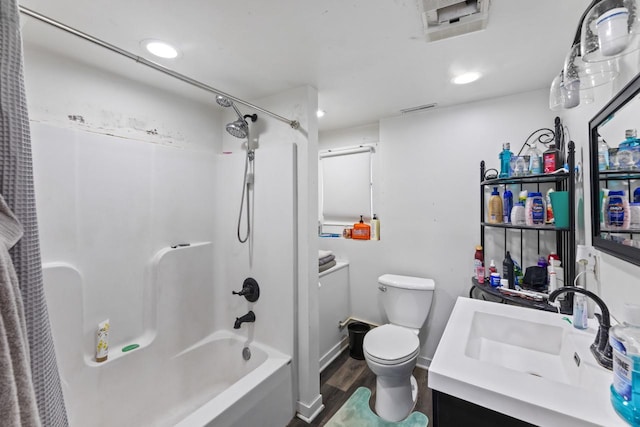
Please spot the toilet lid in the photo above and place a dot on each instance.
(390, 344)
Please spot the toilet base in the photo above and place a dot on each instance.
(395, 397)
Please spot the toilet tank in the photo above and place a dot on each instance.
(406, 299)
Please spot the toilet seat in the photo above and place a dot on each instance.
(390, 345)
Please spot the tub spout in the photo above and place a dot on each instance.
(601, 349)
(249, 317)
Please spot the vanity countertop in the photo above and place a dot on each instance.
(529, 364)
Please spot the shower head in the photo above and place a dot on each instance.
(238, 128)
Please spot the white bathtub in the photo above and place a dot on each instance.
(256, 392)
(209, 384)
(180, 375)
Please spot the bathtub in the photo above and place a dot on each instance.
(256, 392)
(191, 389)
(179, 376)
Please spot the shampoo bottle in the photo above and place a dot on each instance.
(375, 228)
(495, 207)
(507, 205)
(625, 343)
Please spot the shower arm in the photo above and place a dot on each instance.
(42, 18)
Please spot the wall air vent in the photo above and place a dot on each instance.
(449, 18)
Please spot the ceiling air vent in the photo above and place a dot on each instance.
(449, 18)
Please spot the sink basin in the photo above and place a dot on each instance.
(525, 363)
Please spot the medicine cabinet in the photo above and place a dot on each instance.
(615, 228)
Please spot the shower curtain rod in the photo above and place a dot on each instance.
(293, 123)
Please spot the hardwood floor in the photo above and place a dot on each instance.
(344, 375)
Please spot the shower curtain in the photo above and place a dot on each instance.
(16, 186)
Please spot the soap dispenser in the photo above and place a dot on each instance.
(361, 231)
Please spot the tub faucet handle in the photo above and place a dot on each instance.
(250, 290)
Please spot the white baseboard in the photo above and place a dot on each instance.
(423, 362)
(308, 413)
(335, 351)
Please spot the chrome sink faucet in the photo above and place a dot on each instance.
(601, 349)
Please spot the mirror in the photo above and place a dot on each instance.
(615, 175)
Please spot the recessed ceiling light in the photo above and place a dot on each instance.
(160, 49)
(320, 113)
(465, 78)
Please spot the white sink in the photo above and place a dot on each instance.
(525, 363)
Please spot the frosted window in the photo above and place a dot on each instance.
(346, 187)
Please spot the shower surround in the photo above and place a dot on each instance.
(116, 216)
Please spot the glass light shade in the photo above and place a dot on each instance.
(603, 34)
(588, 74)
(556, 99)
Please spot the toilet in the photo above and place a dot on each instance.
(391, 350)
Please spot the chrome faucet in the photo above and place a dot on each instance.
(601, 349)
(249, 317)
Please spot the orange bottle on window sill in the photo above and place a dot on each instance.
(361, 230)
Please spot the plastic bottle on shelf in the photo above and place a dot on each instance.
(603, 154)
(628, 150)
(507, 205)
(535, 159)
(505, 160)
(478, 260)
(616, 210)
(361, 231)
(549, 219)
(517, 214)
(625, 343)
(535, 210)
(636, 195)
(492, 267)
(551, 159)
(495, 207)
(375, 228)
(553, 279)
(508, 270)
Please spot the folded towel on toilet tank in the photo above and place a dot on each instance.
(325, 267)
(327, 259)
(323, 254)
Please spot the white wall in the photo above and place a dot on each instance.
(106, 204)
(429, 199)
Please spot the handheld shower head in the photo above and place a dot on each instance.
(238, 128)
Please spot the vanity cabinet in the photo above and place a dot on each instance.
(564, 237)
(450, 411)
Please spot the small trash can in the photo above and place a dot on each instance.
(357, 331)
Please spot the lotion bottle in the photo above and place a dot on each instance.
(375, 228)
(495, 207)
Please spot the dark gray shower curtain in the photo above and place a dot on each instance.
(16, 185)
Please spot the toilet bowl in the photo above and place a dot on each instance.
(391, 351)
